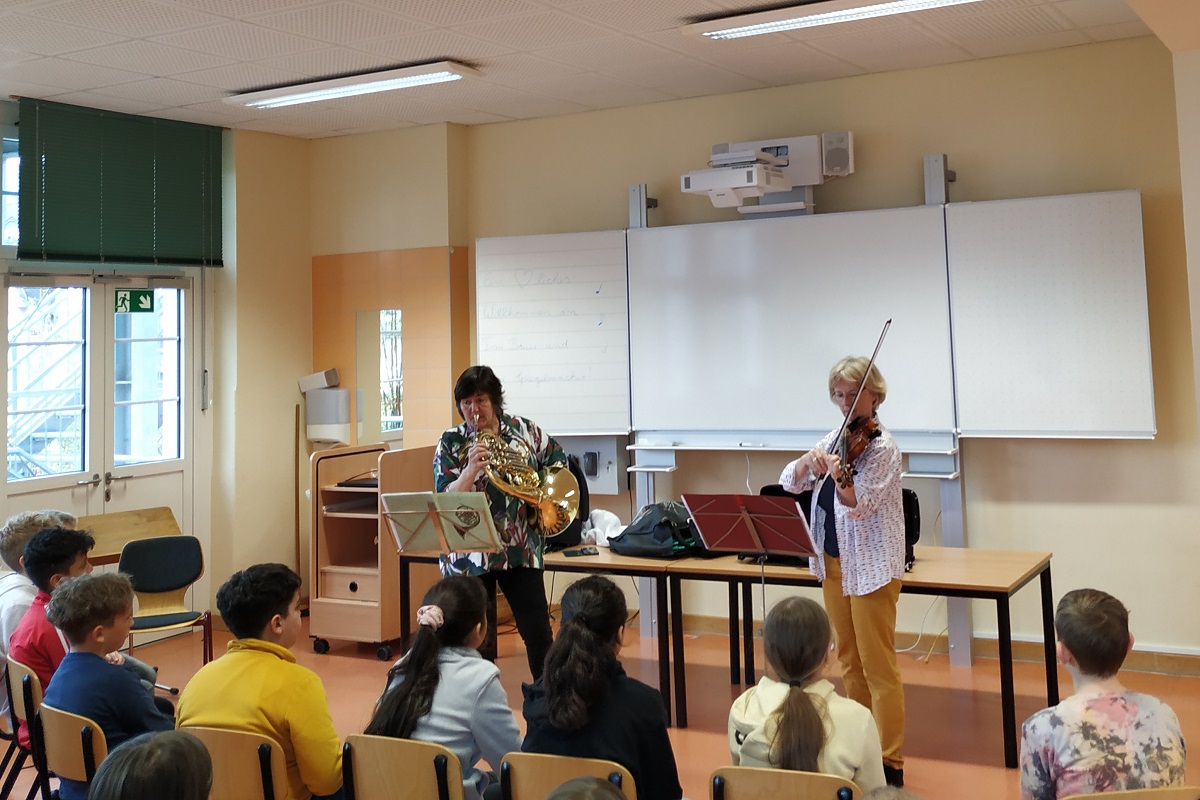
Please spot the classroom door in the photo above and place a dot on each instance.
(97, 379)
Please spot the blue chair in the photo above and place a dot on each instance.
(161, 570)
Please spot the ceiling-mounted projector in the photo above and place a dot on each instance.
(727, 186)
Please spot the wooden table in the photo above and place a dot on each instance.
(605, 562)
(944, 571)
(113, 531)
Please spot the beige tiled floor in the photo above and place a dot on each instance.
(953, 749)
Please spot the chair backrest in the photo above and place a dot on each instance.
(751, 783)
(17, 672)
(532, 776)
(246, 766)
(162, 564)
(384, 768)
(1161, 793)
(74, 745)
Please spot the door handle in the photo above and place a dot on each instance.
(108, 480)
(95, 481)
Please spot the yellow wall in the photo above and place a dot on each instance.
(381, 191)
(1075, 120)
(1118, 515)
(263, 344)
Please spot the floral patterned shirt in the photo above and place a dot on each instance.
(870, 536)
(514, 518)
(1100, 743)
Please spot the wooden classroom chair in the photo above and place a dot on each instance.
(74, 744)
(532, 776)
(246, 766)
(752, 783)
(386, 768)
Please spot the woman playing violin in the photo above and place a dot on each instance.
(858, 534)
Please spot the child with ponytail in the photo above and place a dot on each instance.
(585, 705)
(793, 719)
(443, 691)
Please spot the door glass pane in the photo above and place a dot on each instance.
(146, 382)
(10, 168)
(391, 377)
(46, 375)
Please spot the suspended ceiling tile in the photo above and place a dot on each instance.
(1120, 30)
(15, 88)
(899, 47)
(130, 18)
(237, 9)
(107, 102)
(240, 40)
(474, 118)
(603, 53)
(780, 65)
(9, 57)
(432, 46)
(998, 26)
(46, 37)
(1030, 43)
(636, 16)
(516, 69)
(148, 57)
(331, 62)
(338, 23)
(535, 31)
(447, 13)
(165, 91)
(70, 76)
(702, 79)
(226, 113)
(242, 77)
(1094, 13)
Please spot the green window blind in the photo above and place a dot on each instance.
(117, 188)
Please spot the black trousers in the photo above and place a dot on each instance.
(526, 594)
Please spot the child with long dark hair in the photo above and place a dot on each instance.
(793, 718)
(442, 690)
(585, 705)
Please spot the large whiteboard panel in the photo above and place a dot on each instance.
(1051, 328)
(553, 322)
(734, 325)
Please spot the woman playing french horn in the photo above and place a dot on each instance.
(460, 465)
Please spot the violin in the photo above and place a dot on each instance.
(854, 440)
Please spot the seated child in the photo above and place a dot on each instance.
(95, 612)
(443, 691)
(257, 686)
(585, 705)
(793, 718)
(51, 556)
(1103, 738)
(16, 590)
(171, 764)
(587, 788)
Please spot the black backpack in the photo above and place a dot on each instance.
(660, 530)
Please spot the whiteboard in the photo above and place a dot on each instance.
(552, 320)
(1051, 326)
(735, 325)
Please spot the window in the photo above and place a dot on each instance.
(47, 330)
(10, 167)
(146, 382)
(391, 378)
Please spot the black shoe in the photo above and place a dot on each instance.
(893, 776)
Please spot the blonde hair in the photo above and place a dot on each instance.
(851, 370)
(21, 527)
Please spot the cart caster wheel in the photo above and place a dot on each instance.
(320, 646)
(384, 652)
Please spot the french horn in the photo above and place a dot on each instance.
(554, 493)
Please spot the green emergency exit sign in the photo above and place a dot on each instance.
(134, 301)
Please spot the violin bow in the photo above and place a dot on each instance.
(857, 392)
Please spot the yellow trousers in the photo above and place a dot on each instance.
(865, 628)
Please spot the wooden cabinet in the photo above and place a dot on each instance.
(355, 572)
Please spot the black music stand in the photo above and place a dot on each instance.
(750, 524)
(439, 523)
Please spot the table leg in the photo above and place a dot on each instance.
(405, 604)
(677, 651)
(735, 661)
(1048, 636)
(1007, 694)
(664, 645)
(748, 630)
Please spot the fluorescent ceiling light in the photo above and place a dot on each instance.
(810, 16)
(384, 81)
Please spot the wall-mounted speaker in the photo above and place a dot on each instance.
(837, 153)
(327, 415)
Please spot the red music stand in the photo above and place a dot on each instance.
(750, 524)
